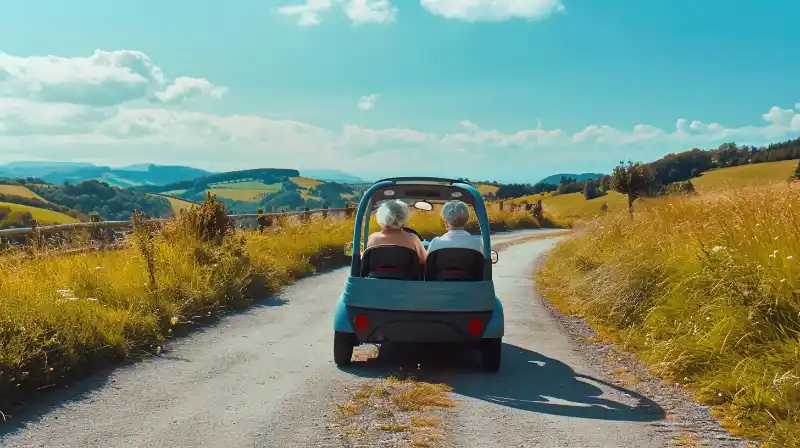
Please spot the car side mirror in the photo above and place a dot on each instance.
(494, 257)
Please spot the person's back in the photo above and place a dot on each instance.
(455, 215)
(456, 238)
(392, 216)
(398, 238)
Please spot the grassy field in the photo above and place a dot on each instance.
(745, 175)
(43, 216)
(18, 190)
(252, 185)
(177, 204)
(305, 182)
(486, 189)
(706, 291)
(68, 314)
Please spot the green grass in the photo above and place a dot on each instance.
(250, 185)
(706, 291)
(18, 190)
(745, 175)
(177, 205)
(43, 216)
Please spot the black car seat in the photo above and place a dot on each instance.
(454, 264)
(391, 263)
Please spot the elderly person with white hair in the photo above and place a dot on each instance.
(455, 215)
(392, 216)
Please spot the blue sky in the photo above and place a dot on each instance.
(513, 91)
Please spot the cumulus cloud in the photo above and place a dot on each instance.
(86, 124)
(105, 78)
(493, 10)
(309, 13)
(368, 102)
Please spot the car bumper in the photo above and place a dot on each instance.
(418, 326)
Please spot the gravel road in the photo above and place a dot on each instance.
(265, 378)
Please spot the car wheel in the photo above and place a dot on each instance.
(342, 348)
(490, 353)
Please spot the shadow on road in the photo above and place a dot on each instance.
(526, 381)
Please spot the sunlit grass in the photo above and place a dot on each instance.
(60, 314)
(43, 216)
(707, 291)
(19, 190)
(745, 175)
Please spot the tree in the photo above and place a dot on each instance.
(797, 171)
(632, 180)
(590, 190)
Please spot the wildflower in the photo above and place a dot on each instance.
(92, 299)
(73, 298)
(158, 350)
(173, 320)
(774, 254)
(98, 268)
(789, 257)
(716, 249)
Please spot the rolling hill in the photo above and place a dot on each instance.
(746, 175)
(21, 191)
(12, 215)
(130, 176)
(555, 179)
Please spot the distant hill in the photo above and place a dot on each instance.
(555, 179)
(332, 176)
(131, 176)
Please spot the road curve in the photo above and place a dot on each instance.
(265, 378)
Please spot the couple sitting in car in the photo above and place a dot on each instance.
(393, 215)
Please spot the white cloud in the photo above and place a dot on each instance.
(371, 11)
(493, 10)
(309, 13)
(85, 124)
(102, 79)
(368, 102)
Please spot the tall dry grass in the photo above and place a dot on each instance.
(64, 316)
(707, 291)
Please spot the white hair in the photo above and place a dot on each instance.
(392, 214)
(455, 213)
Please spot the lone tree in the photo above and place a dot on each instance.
(632, 180)
(590, 190)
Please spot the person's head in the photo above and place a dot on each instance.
(455, 215)
(392, 214)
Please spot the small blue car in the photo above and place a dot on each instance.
(388, 297)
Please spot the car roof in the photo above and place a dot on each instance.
(431, 189)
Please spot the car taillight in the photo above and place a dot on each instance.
(475, 327)
(361, 322)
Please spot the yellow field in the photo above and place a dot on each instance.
(18, 190)
(704, 289)
(745, 175)
(43, 216)
(238, 194)
(530, 199)
(305, 182)
(177, 204)
(105, 305)
(485, 189)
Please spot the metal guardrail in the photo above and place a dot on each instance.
(28, 231)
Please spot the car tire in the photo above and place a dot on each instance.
(491, 354)
(342, 348)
